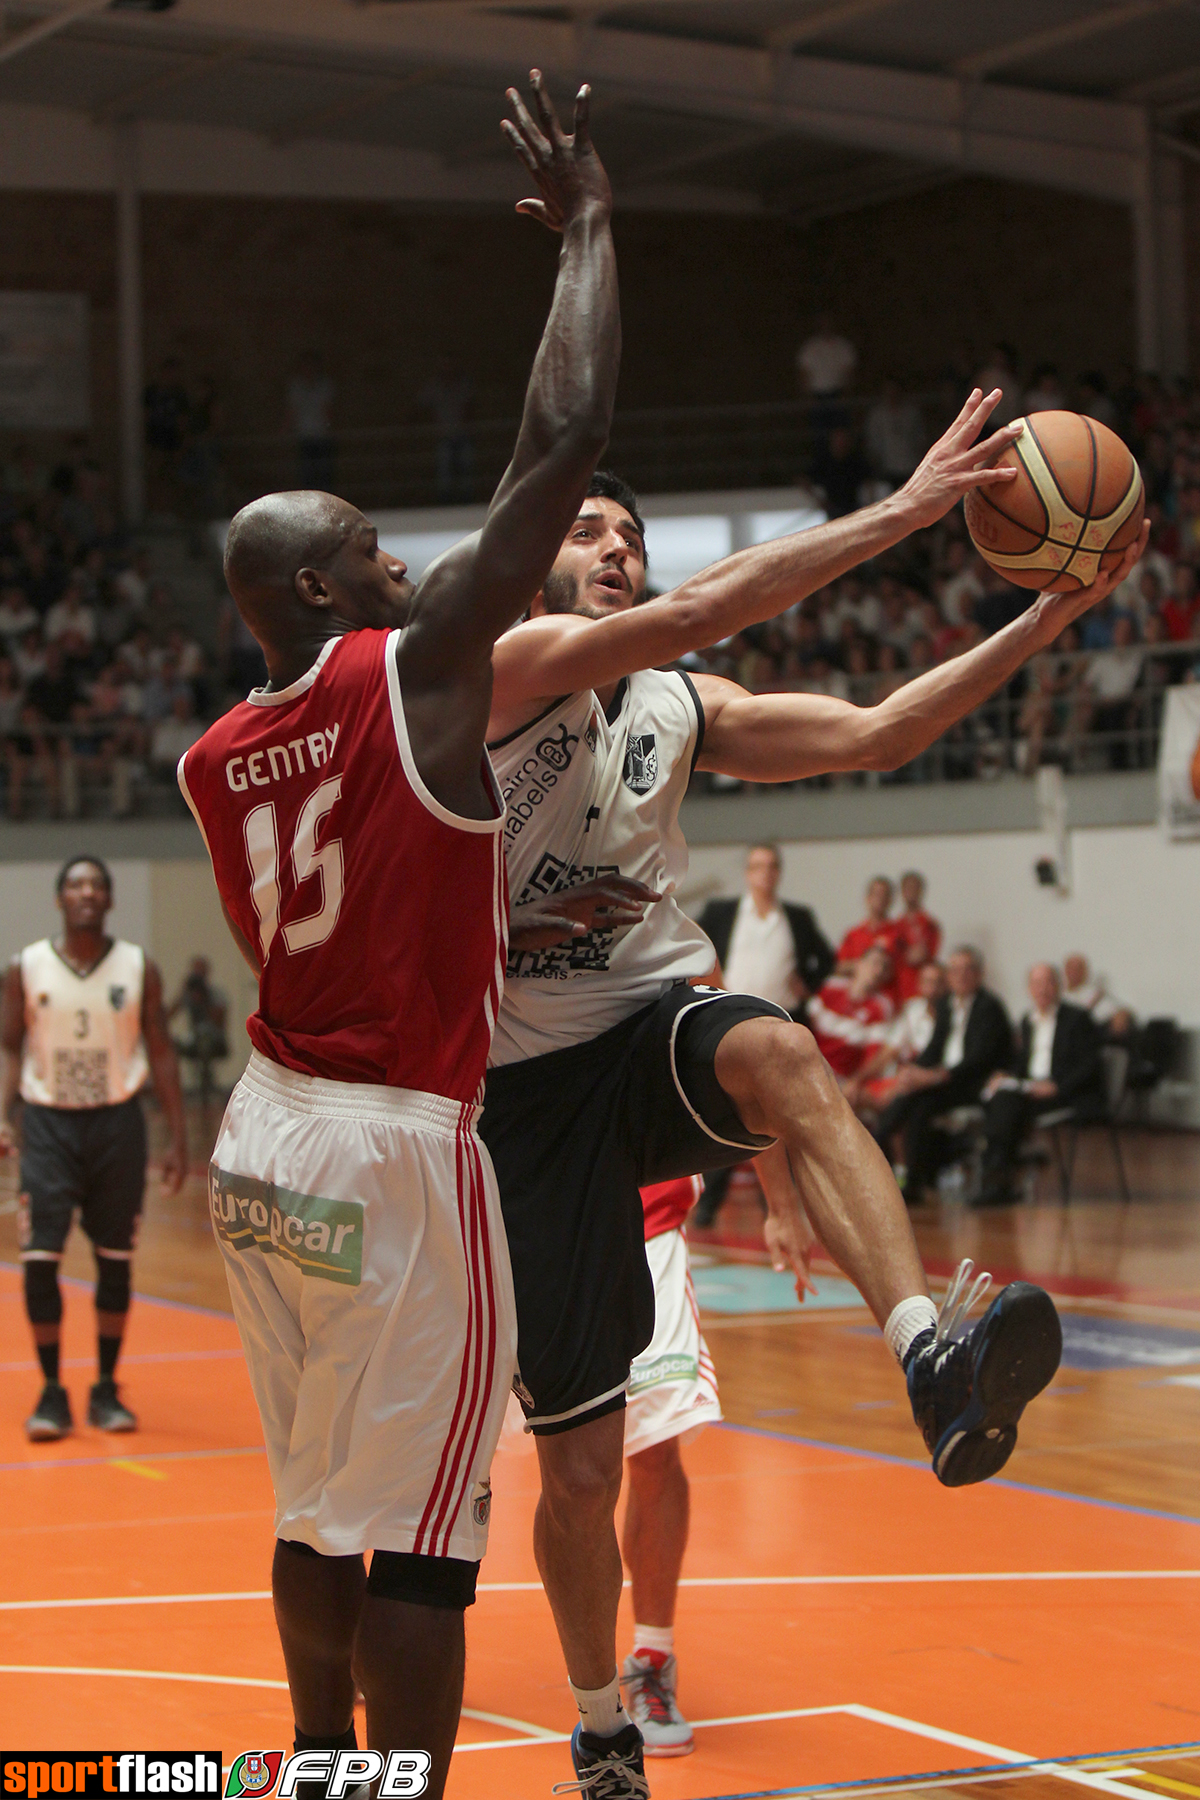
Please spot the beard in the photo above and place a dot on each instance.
(560, 594)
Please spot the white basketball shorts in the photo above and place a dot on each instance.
(368, 1268)
(672, 1384)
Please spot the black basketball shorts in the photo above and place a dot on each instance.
(574, 1135)
(93, 1158)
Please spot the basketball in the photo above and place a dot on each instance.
(1076, 504)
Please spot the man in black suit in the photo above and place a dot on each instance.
(972, 1037)
(778, 947)
(774, 950)
(1057, 1063)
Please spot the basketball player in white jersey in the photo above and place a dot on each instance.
(83, 1031)
(610, 1072)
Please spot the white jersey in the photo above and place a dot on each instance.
(590, 793)
(83, 1033)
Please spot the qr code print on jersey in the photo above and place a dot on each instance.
(81, 1078)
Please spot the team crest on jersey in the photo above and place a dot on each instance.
(481, 1504)
(641, 763)
(116, 996)
(592, 735)
(556, 750)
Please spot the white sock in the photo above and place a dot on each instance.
(907, 1321)
(600, 1710)
(654, 1637)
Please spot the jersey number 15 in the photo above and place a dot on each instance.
(262, 849)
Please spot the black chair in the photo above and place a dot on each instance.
(1065, 1123)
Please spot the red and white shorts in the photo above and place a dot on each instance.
(672, 1384)
(368, 1268)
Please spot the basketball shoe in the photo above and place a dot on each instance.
(648, 1678)
(968, 1392)
(51, 1417)
(608, 1768)
(106, 1409)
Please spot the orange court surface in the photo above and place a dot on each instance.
(843, 1619)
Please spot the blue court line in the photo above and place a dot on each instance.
(900, 1781)
(75, 1281)
(906, 1462)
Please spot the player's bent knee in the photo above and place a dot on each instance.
(112, 1284)
(43, 1297)
(442, 1581)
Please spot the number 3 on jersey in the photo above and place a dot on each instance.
(262, 850)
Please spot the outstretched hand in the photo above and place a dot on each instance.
(605, 903)
(569, 174)
(959, 461)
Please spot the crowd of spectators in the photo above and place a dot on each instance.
(914, 1039)
(1095, 698)
(101, 687)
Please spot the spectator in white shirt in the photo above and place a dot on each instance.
(1083, 989)
(176, 734)
(70, 617)
(1056, 1065)
(895, 435)
(826, 361)
(1111, 676)
(960, 586)
(910, 1034)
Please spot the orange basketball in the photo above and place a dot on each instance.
(1076, 504)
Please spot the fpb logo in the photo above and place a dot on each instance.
(253, 1773)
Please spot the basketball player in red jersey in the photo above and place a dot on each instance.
(355, 829)
(609, 1072)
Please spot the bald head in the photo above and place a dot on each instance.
(275, 537)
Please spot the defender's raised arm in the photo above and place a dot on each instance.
(477, 590)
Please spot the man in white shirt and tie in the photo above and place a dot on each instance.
(1057, 1064)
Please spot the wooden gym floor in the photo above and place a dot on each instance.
(844, 1621)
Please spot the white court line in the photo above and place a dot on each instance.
(537, 1734)
(689, 1581)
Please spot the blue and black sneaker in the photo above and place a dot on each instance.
(608, 1768)
(968, 1392)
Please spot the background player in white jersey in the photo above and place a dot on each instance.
(83, 1030)
(355, 830)
(611, 1072)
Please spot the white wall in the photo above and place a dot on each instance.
(1134, 906)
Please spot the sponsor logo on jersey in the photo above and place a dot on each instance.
(641, 763)
(481, 1502)
(556, 750)
(116, 997)
(666, 1368)
(253, 1773)
(323, 1238)
(582, 955)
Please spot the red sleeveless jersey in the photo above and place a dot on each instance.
(379, 917)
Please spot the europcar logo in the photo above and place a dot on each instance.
(253, 1773)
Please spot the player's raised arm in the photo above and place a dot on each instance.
(476, 591)
(785, 737)
(561, 654)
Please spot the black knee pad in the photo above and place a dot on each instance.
(43, 1298)
(112, 1283)
(444, 1581)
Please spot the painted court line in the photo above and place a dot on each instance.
(536, 1734)
(156, 1456)
(691, 1581)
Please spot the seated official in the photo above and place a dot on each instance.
(1057, 1063)
(972, 1038)
(765, 947)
